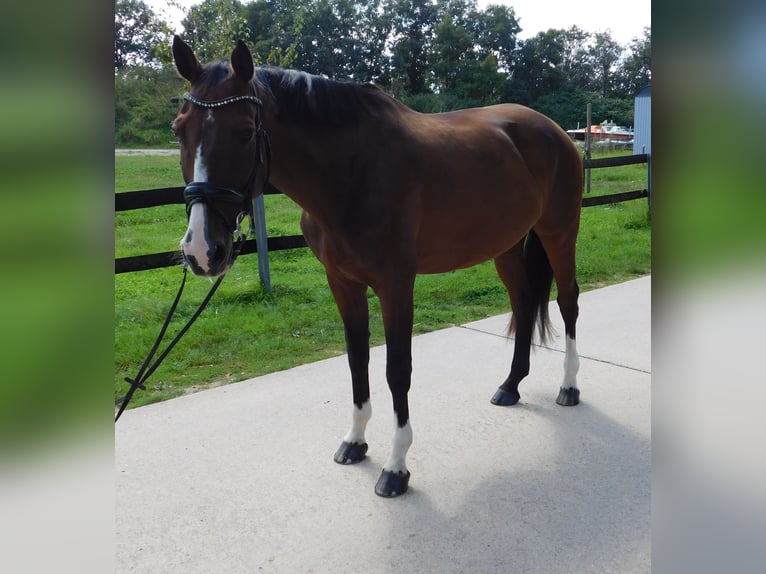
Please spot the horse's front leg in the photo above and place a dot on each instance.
(397, 307)
(351, 299)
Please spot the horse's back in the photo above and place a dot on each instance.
(488, 175)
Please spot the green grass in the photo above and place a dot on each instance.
(246, 332)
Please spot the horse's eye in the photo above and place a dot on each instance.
(246, 136)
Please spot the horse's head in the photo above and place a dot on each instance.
(222, 148)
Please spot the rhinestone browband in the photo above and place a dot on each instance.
(215, 104)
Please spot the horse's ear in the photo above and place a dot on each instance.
(186, 62)
(242, 62)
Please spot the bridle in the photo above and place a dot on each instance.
(212, 195)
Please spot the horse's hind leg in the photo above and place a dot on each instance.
(560, 247)
(569, 394)
(351, 299)
(513, 272)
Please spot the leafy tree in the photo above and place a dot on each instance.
(274, 28)
(495, 30)
(604, 54)
(142, 105)
(566, 107)
(325, 42)
(635, 72)
(140, 37)
(537, 68)
(412, 28)
(576, 63)
(213, 27)
(370, 62)
(452, 55)
(435, 55)
(338, 38)
(483, 84)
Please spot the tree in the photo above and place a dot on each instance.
(496, 30)
(325, 44)
(436, 55)
(482, 84)
(213, 28)
(412, 28)
(575, 60)
(140, 37)
(336, 38)
(452, 55)
(537, 68)
(635, 71)
(371, 31)
(275, 28)
(143, 108)
(604, 54)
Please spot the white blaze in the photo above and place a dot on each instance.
(194, 243)
(200, 171)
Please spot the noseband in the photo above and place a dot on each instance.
(214, 195)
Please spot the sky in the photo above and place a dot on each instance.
(625, 20)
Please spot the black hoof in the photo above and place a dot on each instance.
(505, 398)
(350, 453)
(568, 397)
(392, 484)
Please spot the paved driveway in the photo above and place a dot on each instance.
(241, 479)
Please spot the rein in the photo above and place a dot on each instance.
(204, 192)
(144, 373)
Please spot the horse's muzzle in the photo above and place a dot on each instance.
(218, 260)
(207, 246)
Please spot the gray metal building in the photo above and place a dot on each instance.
(642, 121)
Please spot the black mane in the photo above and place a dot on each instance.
(309, 99)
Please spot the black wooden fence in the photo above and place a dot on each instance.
(171, 195)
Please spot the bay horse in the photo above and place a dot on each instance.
(386, 193)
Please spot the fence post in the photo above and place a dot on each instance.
(262, 240)
(587, 145)
(649, 179)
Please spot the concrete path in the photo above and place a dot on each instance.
(241, 478)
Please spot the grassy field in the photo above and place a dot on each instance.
(247, 332)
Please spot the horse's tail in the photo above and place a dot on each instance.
(540, 280)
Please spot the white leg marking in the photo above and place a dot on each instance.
(400, 445)
(571, 365)
(359, 422)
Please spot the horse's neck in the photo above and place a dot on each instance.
(310, 166)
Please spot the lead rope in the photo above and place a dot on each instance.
(146, 371)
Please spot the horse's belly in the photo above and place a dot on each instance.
(474, 230)
(458, 251)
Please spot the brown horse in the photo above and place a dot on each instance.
(386, 193)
